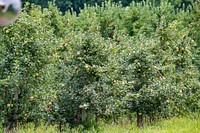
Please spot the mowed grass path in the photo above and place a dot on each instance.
(174, 125)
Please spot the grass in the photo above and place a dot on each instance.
(189, 124)
(175, 125)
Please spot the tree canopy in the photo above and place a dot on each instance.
(76, 5)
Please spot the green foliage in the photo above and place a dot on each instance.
(155, 68)
(25, 52)
(75, 69)
(76, 5)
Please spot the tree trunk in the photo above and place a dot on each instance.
(60, 127)
(7, 122)
(16, 115)
(140, 120)
(8, 127)
(11, 122)
(97, 117)
(152, 119)
(129, 119)
(83, 115)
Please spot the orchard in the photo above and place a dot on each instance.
(100, 62)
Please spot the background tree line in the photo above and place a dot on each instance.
(76, 5)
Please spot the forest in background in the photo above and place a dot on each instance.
(101, 62)
(76, 5)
